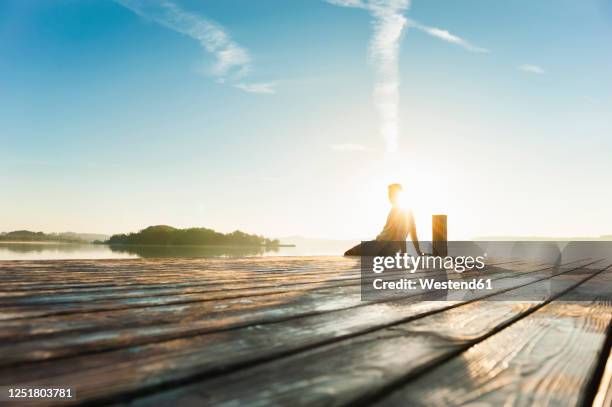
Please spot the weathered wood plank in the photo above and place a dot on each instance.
(545, 359)
(79, 342)
(70, 272)
(355, 369)
(203, 277)
(46, 307)
(208, 270)
(149, 366)
(239, 282)
(68, 278)
(241, 286)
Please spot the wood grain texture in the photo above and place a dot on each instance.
(359, 368)
(99, 340)
(253, 331)
(545, 359)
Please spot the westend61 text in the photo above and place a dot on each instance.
(432, 284)
(410, 263)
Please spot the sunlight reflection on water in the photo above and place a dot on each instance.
(57, 251)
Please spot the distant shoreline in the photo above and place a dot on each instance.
(51, 242)
(193, 245)
(41, 242)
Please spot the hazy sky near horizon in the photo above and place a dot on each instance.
(259, 116)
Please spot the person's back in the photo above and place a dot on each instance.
(400, 223)
(397, 226)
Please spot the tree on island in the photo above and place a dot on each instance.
(170, 236)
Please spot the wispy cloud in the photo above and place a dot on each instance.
(261, 87)
(232, 61)
(389, 24)
(348, 147)
(447, 36)
(532, 69)
(348, 3)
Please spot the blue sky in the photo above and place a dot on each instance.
(116, 115)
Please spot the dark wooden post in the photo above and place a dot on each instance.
(438, 235)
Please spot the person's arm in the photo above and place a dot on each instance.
(413, 235)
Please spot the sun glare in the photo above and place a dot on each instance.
(401, 200)
(423, 193)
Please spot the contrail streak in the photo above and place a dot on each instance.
(446, 36)
(389, 24)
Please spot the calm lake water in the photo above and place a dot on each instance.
(56, 251)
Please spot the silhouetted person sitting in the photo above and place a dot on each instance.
(400, 224)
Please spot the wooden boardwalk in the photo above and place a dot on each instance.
(294, 331)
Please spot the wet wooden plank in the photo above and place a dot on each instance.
(329, 270)
(203, 285)
(48, 298)
(116, 339)
(546, 358)
(208, 283)
(73, 343)
(152, 365)
(358, 368)
(67, 274)
(47, 306)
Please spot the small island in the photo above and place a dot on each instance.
(164, 235)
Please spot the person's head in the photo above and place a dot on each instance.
(395, 190)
